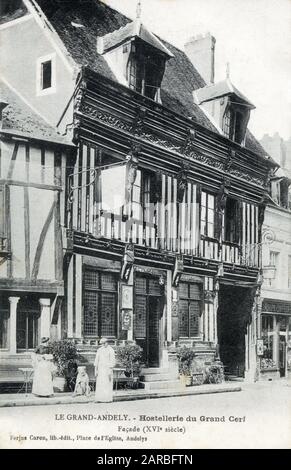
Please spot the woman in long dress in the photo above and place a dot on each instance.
(104, 363)
(42, 385)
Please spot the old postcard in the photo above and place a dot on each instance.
(145, 224)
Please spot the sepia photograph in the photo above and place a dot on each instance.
(145, 226)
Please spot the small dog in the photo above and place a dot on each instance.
(82, 386)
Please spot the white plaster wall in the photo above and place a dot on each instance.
(278, 223)
(25, 58)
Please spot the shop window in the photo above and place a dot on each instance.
(267, 336)
(231, 221)
(100, 303)
(207, 214)
(189, 310)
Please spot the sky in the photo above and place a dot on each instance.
(254, 36)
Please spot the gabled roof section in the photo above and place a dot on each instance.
(97, 19)
(219, 90)
(130, 31)
(19, 119)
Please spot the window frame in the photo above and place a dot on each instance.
(189, 300)
(235, 222)
(207, 235)
(99, 291)
(40, 91)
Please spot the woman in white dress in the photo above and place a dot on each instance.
(104, 363)
(42, 384)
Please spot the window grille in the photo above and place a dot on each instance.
(100, 303)
(189, 309)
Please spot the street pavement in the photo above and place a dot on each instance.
(259, 416)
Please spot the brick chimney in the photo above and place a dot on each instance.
(201, 51)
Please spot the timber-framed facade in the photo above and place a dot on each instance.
(157, 212)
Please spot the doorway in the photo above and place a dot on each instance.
(282, 355)
(148, 310)
(233, 315)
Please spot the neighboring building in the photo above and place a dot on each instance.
(279, 148)
(276, 289)
(164, 205)
(32, 162)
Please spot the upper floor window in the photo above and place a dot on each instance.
(145, 70)
(234, 123)
(227, 123)
(8, 7)
(281, 192)
(46, 75)
(289, 271)
(207, 214)
(231, 221)
(274, 258)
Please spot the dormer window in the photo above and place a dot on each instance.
(234, 123)
(229, 108)
(145, 70)
(281, 192)
(136, 57)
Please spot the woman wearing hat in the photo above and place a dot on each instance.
(104, 363)
(42, 385)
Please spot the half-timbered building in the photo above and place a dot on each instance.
(164, 204)
(32, 163)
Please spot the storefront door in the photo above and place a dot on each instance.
(148, 308)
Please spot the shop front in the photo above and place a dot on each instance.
(276, 335)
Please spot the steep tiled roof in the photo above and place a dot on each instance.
(98, 19)
(18, 118)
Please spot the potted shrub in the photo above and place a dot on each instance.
(65, 357)
(129, 356)
(269, 369)
(214, 373)
(185, 356)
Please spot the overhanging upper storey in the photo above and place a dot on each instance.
(115, 117)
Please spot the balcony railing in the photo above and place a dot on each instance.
(227, 252)
(145, 234)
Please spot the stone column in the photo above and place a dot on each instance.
(130, 331)
(45, 317)
(12, 327)
(169, 306)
